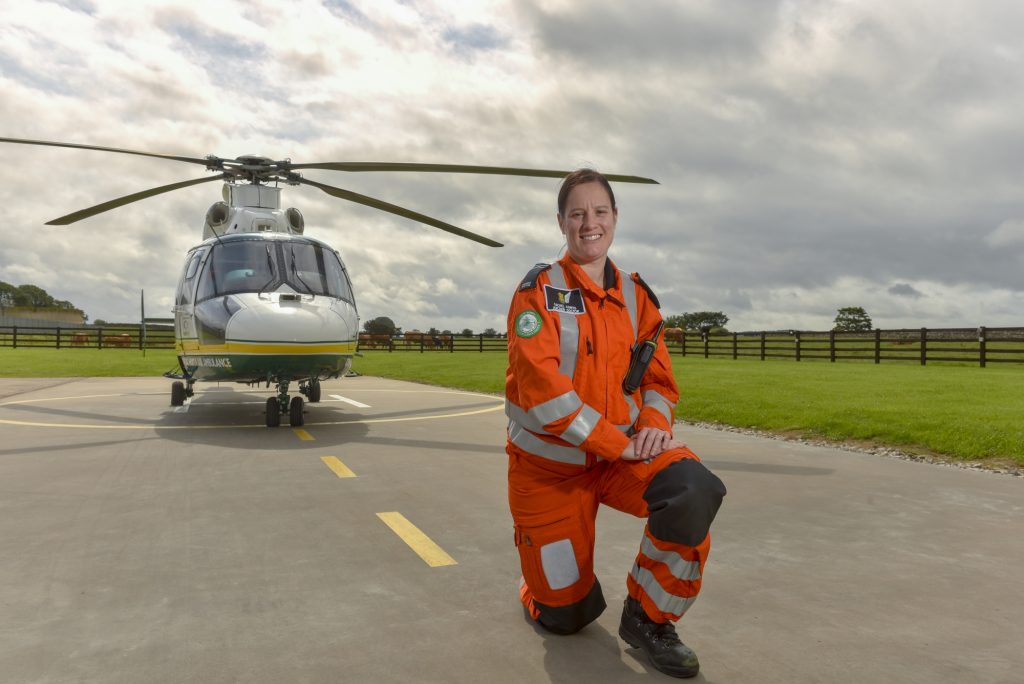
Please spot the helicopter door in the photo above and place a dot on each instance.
(184, 309)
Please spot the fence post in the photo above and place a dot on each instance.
(796, 336)
(762, 345)
(735, 354)
(704, 336)
(481, 343)
(58, 337)
(924, 346)
(99, 338)
(684, 343)
(832, 346)
(878, 345)
(14, 339)
(981, 346)
(391, 343)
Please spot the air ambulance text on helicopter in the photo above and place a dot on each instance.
(258, 301)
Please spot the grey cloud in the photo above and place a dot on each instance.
(905, 290)
(624, 35)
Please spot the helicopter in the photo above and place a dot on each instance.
(258, 301)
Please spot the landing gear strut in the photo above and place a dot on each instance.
(283, 403)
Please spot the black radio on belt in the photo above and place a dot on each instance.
(643, 354)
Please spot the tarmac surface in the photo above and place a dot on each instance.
(144, 543)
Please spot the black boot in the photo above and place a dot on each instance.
(658, 641)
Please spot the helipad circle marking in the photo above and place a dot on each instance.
(143, 426)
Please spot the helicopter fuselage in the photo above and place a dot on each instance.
(259, 302)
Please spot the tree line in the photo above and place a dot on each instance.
(848, 319)
(31, 296)
(382, 325)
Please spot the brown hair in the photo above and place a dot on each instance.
(579, 177)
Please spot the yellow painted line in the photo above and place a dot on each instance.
(303, 435)
(339, 468)
(432, 554)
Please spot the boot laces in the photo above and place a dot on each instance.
(665, 632)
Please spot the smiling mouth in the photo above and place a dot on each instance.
(592, 237)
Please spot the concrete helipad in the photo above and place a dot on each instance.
(144, 543)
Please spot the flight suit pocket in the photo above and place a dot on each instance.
(549, 554)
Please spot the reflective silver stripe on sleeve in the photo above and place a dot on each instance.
(634, 410)
(679, 567)
(629, 294)
(553, 409)
(547, 412)
(569, 339)
(532, 444)
(656, 399)
(666, 602)
(581, 426)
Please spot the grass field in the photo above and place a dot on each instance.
(959, 411)
(963, 412)
(78, 362)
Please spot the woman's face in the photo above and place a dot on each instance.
(588, 223)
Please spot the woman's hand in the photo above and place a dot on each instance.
(648, 443)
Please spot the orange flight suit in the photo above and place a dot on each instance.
(569, 346)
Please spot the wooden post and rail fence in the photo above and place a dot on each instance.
(981, 346)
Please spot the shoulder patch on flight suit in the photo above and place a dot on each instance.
(528, 323)
(648, 290)
(530, 281)
(564, 301)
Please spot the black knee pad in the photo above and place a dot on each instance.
(682, 500)
(574, 617)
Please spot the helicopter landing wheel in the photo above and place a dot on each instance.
(177, 393)
(273, 412)
(295, 412)
(314, 391)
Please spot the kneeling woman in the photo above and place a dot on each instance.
(577, 439)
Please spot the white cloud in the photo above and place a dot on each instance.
(812, 155)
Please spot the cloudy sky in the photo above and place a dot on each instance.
(811, 154)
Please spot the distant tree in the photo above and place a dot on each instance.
(446, 331)
(703, 321)
(99, 321)
(382, 325)
(467, 332)
(852, 319)
(34, 296)
(490, 332)
(433, 331)
(7, 294)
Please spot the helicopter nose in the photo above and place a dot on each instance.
(280, 322)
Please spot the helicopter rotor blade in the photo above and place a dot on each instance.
(400, 211)
(128, 199)
(190, 160)
(457, 168)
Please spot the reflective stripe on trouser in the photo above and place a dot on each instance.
(666, 577)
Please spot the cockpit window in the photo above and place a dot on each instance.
(262, 265)
(311, 269)
(236, 266)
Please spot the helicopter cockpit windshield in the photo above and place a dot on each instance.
(260, 265)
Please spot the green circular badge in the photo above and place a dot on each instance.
(528, 323)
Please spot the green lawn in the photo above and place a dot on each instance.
(79, 362)
(964, 412)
